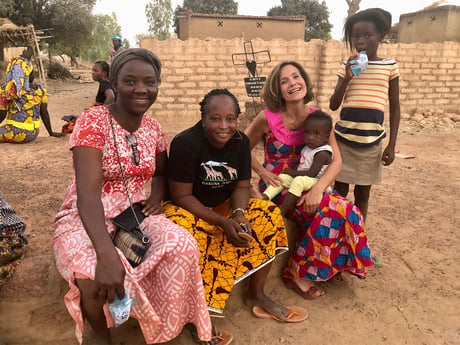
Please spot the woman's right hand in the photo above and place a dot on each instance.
(232, 228)
(270, 179)
(110, 276)
(348, 73)
(311, 200)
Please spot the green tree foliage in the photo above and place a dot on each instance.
(317, 14)
(105, 26)
(25, 12)
(159, 16)
(205, 6)
(71, 22)
(73, 25)
(5, 7)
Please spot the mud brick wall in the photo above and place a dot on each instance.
(430, 73)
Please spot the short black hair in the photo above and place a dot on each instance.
(378, 16)
(217, 92)
(321, 116)
(104, 65)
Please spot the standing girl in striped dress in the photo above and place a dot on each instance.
(360, 130)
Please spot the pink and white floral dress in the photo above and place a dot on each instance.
(167, 284)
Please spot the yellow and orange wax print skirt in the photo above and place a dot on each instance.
(223, 265)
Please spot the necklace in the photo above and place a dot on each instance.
(295, 121)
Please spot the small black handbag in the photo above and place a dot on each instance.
(128, 237)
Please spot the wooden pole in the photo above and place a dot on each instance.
(36, 47)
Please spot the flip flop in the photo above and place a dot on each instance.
(377, 261)
(295, 314)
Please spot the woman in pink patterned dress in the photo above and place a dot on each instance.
(167, 284)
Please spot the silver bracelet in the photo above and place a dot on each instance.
(238, 209)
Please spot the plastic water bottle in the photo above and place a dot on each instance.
(358, 66)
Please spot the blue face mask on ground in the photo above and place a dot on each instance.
(358, 66)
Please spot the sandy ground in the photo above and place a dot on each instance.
(413, 220)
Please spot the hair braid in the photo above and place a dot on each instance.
(217, 92)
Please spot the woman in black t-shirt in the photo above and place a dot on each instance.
(209, 173)
(100, 73)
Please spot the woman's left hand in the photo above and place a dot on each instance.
(151, 207)
(311, 200)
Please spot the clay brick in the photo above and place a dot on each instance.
(446, 66)
(205, 70)
(414, 65)
(172, 64)
(172, 78)
(173, 106)
(217, 77)
(207, 84)
(436, 84)
(441, 101)
(194, 64)
(442, 90)
(184, 71)
(197, 77)
(445, 78)
(172, 92)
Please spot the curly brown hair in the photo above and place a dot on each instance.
(271, 92)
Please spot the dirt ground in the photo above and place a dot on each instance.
(413, 220)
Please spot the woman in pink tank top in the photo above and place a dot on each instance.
(319, 248)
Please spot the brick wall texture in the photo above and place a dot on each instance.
(429, 81)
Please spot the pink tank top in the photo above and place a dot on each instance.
(284, 135)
